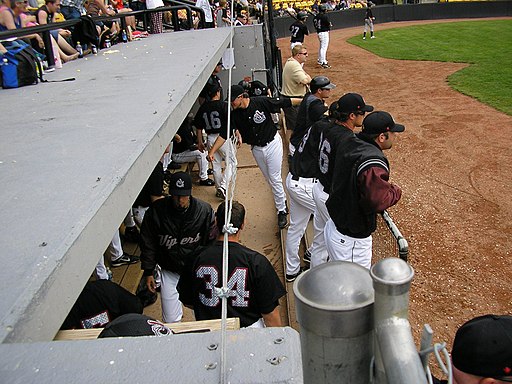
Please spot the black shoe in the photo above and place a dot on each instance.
(291, 278)
(207, 182)
(125, 259)
(221, 193)
(132, 235)
(210, 171)
(282, 219)
(307, 257)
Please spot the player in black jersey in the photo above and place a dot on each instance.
(348, 115)
(298, 30)
(212, 119)
(254, 287)
(322, 26)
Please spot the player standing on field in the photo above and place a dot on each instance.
(360, 189)
(322, 26)
(298, 30)
(368, 21)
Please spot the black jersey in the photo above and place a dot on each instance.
(311, 110)
(212, 116)
(254, 286)
(330, 140)
(255, 122)
(305, 159)
(321, 23)
(368, 14)
(212, 81)
(298, 31)
(99, 303)
(169, 236)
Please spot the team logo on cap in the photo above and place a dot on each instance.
(158, 328)
(259, 117)
(180, 183)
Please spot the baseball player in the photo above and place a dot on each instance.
(172, 229)
(368, 21)
(255, 288)
(212, 118)
(298, 30)
(252, 119)
(360, 189)
(311, 109)
(348, 113)
(299, 183)
(322, 26)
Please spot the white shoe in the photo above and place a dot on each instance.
(364, 37)
(373, 37)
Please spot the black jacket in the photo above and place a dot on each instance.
(168, 236)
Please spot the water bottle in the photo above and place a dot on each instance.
(107, 43)
(79, 49)
(124, 37)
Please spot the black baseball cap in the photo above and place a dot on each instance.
(180, 184)
(236, 90)
(353, 102)
(483, 346)
(134, 324)
(380, 122)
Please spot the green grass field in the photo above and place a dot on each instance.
(486, 45)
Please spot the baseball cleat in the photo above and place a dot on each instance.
(307, 257)
(125, 259)
(325, 65)
(282, 220)
(221, 193)
(207, 182)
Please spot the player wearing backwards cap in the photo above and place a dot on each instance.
(360, 189)
(252, 119)
(311, 109)
(348, 113)
(322, 26)
(482, 351)
(172, 229)
(298, 30)
(255, 288)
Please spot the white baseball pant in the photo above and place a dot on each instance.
(323, 38)
(101, 270)
(302, 207)
(368, 24)
(218, 157)
(197, 156)
(321, 215)
(115, 249)
(172, 310)
(346, 248)
(269, 159)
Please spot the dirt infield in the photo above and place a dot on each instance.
(452, 163)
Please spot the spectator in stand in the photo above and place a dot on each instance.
(255, 286)
(208, 17)
(73, 9)
(223, 15)
(241, 20)
(295, 84)
(258, 11)
(156, 18)
(185, 150)
(130, 20)
(46, 15)
(291, 11)
(315, 7)
(10, 18)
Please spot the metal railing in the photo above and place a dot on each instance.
(388, 240)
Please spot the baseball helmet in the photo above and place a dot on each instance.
(320, 82)
(302, 15)
(322, 8)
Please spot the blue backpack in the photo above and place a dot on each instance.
(19, 66)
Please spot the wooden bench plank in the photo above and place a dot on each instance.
(232, 324)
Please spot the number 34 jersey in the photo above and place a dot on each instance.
(253, 284)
